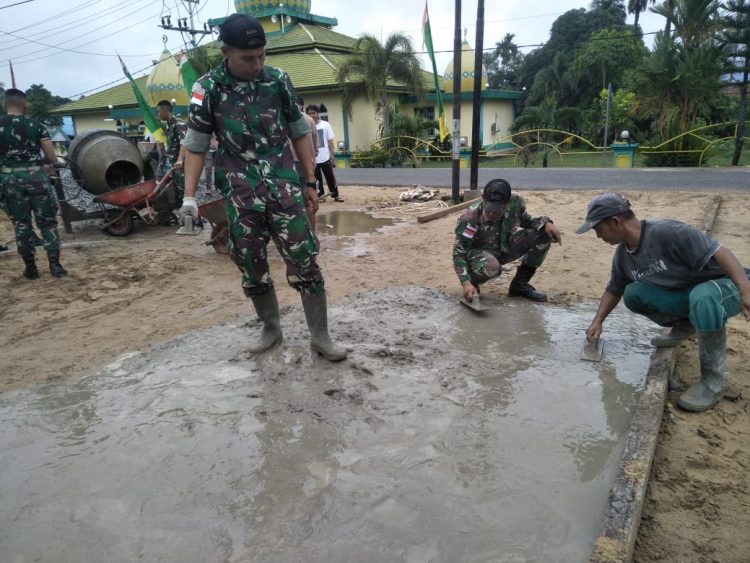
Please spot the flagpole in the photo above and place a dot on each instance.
(12, 74)
(456, 176)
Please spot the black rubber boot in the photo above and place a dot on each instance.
(55, 268)
(30, 272)
(712, 353)
(316, 313)
(677, 334)
(267, 308)
(520, 286)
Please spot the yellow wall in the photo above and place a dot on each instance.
(490, 108)
(93, 121)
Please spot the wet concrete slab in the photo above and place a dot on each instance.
(445, 436)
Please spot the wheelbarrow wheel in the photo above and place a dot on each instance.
(220, 238)
(122, 227)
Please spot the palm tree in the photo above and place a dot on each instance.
(374, 68)
(637, 7)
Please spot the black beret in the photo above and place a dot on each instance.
(242, 32)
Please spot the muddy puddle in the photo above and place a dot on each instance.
(444, 437)
(346, 230)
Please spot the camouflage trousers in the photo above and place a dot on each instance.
(531, 244)
(250, 231)
(178, 180)
(27, 194)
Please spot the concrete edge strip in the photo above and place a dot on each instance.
(616, 541)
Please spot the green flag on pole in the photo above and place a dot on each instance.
(187, 72)
(427, 34)
(152, 125)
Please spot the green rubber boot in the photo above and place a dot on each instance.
(316, 313)
(712, 353)
(267, 308)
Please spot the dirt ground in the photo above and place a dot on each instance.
(124, 294)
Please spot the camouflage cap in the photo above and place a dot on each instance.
(242, 32)
(496, 194)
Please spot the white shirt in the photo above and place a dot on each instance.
(325, 134)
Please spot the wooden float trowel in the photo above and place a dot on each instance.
(592, 350)
(474, 304)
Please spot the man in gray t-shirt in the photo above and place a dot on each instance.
(679, 278)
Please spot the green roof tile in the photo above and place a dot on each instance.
(117, 96)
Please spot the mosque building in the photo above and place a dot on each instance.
(308, 48)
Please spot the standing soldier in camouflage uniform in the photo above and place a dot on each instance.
(176, 129)
(488, 236)
(250, 107)
(24, 186)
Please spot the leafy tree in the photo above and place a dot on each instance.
(41, 102)
(620, 115)
(607, 54)
(503, 64)
(546, 71)
(735, 35)
(681, 77)
(374, 68)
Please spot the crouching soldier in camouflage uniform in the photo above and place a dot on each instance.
(488, 236)
(250, 107)
(176, 129)
(24, 186)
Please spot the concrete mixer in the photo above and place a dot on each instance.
(102, 161)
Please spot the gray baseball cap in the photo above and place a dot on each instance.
(602, 207)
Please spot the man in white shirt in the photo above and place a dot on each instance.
(324, 161)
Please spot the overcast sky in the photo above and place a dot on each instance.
(69, 46)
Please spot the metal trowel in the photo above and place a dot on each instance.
(474, 304)
(188, 228)
(592, 350)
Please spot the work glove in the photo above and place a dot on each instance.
(189, 207)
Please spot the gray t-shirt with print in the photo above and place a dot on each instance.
(670, 254)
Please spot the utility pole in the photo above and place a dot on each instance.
(184, 27)
(456, 177)
(476, 100)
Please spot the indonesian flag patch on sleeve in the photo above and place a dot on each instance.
(197, 95)
(470, 231)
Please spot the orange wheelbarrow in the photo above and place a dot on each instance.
(216, 213)
(131, 203)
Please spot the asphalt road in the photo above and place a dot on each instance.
(690, 179)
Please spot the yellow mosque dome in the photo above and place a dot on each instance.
(165, 82)
(260, 8)
(467, 72)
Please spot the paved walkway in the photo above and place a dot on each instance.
(691, 179)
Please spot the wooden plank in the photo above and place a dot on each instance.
(444, 212)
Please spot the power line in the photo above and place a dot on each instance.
(67, 27)
(16, 4)
(73, 49)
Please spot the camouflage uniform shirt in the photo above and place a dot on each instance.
(252, 120)
(474, 232)
(176, 129)
(21, 141)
